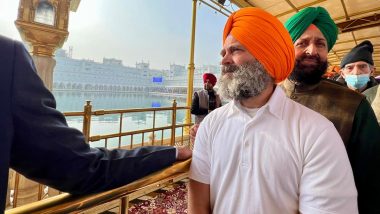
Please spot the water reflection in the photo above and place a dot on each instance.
(74, 100)
(109, 124)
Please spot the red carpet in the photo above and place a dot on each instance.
(171, 199)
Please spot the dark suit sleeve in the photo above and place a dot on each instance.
(364, 153)
(46, 150)
(195, 109)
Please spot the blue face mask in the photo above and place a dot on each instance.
(357, 81)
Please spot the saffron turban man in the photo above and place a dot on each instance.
(268, 42)
(314, 34)
(262, 152)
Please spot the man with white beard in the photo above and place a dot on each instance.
(262, 152)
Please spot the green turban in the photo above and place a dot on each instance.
(297, 24)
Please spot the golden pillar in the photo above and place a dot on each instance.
(190, 70)
(43, 25)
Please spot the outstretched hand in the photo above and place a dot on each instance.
(193, 133)
(184, 153)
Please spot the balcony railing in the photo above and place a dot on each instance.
(42, 199)
(114, 201)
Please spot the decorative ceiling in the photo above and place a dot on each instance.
(357, 20)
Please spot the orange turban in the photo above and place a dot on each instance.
(265, 38)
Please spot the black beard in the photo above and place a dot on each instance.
(308, 75)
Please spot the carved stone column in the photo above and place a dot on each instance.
(43, 25)
(45, 68)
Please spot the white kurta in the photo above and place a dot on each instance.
(286, 159)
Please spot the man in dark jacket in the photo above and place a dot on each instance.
(314, 34)
(36, 141)
(357, 68)
(205, 100)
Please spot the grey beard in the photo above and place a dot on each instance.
(248, 80)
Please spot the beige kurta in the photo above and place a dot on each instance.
(373, 97)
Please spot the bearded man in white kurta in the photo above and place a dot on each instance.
(262, 152)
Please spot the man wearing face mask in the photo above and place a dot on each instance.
(357, 68)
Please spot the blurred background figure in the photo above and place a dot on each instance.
(205, 100)
(377, 78)
(332, 73)
(358, 68)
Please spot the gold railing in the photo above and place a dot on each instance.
(88, 114)
(24, 191)
(115, 201)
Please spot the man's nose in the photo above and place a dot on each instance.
(226, 59)
(355, 70)
(311, 50)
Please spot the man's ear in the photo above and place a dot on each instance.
(373, 69)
